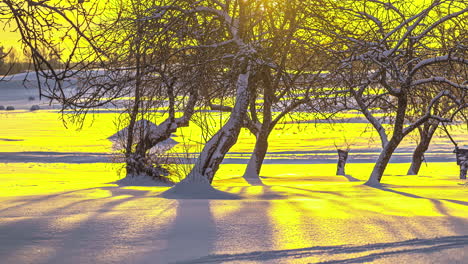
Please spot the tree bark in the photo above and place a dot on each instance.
(462, 160)
(463, 169)
(382, 162)
(425, 136)
(252, 172)
(342, 158)
(138, 160)
(130, 158)
(389, 148)
(216, 148)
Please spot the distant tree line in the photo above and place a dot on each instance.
(12, 62)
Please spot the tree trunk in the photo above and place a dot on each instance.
(342, 158)
(389, 148)
(425, 135)
(462, 160)
(382, 162)
(252, 172)
(463, 169)
(216, 148)
(130, 157)
(138, 162)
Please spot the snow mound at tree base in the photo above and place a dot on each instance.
(254, 180)
(191, 190)
(373, 183)
(141, 181)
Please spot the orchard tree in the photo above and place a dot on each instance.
(388, 55)
(232, 21)
(147, 65)
(451, 38)
(289, 63)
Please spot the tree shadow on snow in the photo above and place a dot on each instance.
(191, 234)
(421, 246)
(420, 197)
(254, 181)
(94, 232)
(351, 178)
(458, 224)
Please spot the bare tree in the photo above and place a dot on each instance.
(292, 79)
(116, 51)
(148, 64)
(388, 55)
(452, 39)
(288, 65)
(188, 41)
(233, 18)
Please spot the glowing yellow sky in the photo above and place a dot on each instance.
(9, 38)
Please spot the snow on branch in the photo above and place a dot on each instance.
(371, 118)
(428, 115)
(419, 18)
(232, 23)
(435, 60)
(440, 21)
(438, 79)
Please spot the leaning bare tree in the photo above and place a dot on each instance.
(389, 55)
(289, 63)
(204, 35)
(232, 20)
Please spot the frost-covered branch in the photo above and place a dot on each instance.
(428, 112)
(435, 60)
(438, 80)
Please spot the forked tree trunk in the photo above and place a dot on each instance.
(252, 172)
(382, 162)
(342, 158)
(138, 162)
(392, 144)
(216, 148)
(425, 136)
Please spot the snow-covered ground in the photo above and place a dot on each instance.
(59, 202)
(72, 213)
(21, 91)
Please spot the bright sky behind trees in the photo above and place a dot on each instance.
(10, 38)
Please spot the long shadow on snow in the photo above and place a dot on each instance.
(115, 190)
(417, 246)
(72, 243)
(193, 232)
(421, 197)
(457, 223)
(30, 201)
